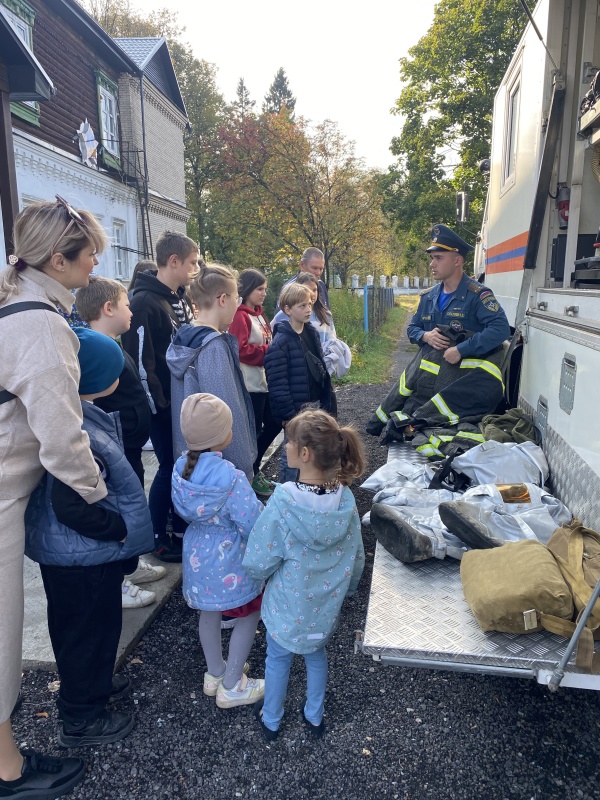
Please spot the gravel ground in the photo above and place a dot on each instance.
(392, 732)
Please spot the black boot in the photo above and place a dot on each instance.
(168, 549)
(400, 539)
(110, 726)
(44, 777)
(120, 687)
(464, 521)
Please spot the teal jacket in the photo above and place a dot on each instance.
(312, 559)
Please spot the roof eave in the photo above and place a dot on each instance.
(88, 28)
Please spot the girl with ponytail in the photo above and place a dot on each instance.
(308, 543)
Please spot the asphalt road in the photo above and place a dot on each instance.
(393, 733)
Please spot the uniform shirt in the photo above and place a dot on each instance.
(472, 307)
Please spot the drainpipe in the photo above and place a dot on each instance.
(147, 245)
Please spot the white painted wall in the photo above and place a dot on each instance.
(44, 171)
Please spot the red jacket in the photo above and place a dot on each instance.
(241, 328)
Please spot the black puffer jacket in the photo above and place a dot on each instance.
(287, 373)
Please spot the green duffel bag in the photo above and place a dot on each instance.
(515, 588)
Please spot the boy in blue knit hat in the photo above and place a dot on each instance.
(80, 549)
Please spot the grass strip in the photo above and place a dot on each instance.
(372, 353)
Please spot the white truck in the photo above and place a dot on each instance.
(536, 251)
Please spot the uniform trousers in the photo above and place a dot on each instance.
(84, 622)
(12, 543)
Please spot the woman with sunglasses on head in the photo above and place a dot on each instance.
(56, 249)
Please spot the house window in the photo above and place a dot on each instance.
(120, 250)
(21, 16)
(109, 123)
(511, 132)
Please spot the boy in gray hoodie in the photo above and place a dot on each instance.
(204, 358)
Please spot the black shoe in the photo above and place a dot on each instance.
(17, 706)
(120, 687)
(43, 777)
(400, 539)
(464, 520)
(111, 726)
(317, 731)
(267, 733)
(168, 549)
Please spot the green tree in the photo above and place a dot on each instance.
(449, 80)
(243, 105)
(279, 95)
(121, 18)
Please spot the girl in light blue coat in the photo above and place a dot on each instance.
(308, 543)
(221, 508)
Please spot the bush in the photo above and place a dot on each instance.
(347, 310)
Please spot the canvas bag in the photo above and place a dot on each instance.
(516, 588)
(577, 553)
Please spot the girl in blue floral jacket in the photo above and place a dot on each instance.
(221, 508)
(307, 542)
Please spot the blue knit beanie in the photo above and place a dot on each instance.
(100, 359)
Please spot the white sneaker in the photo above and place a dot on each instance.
(146, 573)
(211, 684)
(134, 597)
(247, 691)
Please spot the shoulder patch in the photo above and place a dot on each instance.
(475, 287)
(425, 291)
(490, 303)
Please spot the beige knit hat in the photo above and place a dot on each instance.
(205, 421)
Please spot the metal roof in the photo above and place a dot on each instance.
(140, 50)
(151, 55)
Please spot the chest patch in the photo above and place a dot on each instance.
(426, 317)
(455, 325)
(458, 314)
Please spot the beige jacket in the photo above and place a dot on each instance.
(41, 428)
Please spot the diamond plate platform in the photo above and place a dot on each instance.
(418, 616)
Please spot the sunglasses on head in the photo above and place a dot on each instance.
(75, 219)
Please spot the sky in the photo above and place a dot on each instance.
(341, 60)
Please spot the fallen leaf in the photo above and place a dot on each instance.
(42, 714)
(136, 661)
(366, 752)
(54, 686)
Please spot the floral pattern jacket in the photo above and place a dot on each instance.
(221, 508)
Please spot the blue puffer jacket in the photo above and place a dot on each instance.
(50, 542)
(287, 373)
(221, 508)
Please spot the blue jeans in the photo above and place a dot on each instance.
(277, 673)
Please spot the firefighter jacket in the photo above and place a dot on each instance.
(431, 393)
(472, 307)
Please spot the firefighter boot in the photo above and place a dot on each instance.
(467, 522)
(399, 538)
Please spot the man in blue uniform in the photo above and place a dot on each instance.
(458, 301)
(456, 377)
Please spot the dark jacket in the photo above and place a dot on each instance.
(153, 326)
(287, 372)
(431, 392)
(472, 307)
(129, 399)
(63, 530)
